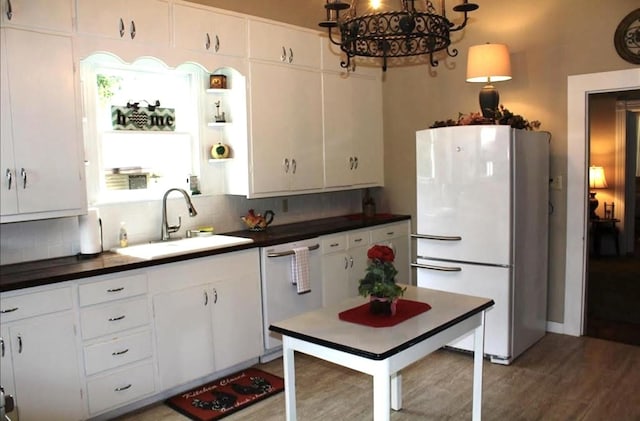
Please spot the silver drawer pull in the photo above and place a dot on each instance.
(115, 319)
(334, 244)
(357, 240)
(2, 346)
(9, 310)
(121, 388)
(437, 237)
(124, 351)
(115, 289)
(440, 268)
(9, 177)
(390, 233)
(290, 252)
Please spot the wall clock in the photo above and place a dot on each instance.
(627, 37)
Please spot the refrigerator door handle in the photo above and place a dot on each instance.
(437, 237)
(434, 267)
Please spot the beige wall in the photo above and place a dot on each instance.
(548, 39)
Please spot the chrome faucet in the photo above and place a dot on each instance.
(167, 229)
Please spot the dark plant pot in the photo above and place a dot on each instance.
(382, 306)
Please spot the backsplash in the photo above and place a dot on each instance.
(35, 240)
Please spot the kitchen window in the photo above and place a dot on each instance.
(139, 161)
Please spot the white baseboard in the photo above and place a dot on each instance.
(555, 327)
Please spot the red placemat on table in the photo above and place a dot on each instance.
(405, 309)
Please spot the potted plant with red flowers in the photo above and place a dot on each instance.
(379, 282)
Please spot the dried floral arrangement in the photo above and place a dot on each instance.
(502, 116)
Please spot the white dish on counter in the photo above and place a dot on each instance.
(177, 247)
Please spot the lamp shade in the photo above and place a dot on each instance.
(488, 63)
(597, 180)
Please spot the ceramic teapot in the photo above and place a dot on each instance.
(258, 222)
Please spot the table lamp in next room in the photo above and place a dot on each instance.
(597, 180)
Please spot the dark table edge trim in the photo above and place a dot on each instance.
(386, 354)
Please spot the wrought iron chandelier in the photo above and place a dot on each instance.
(397, 33)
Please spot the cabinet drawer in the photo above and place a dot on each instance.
(112, 289)
(388, 232)
(120, 387)
(334, 243)
(34, 304)
(116, 317)
(359, 238)
(117, 352)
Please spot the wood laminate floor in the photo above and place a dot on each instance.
(559, 378)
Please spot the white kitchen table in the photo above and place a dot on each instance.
(382, 352)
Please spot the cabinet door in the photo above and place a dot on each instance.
(357, 267)
(45, 135)
(283, 44)
(6, 369)
(367, 146)
(145, 21)
(202, 30)
(340, 107)
(286, 123)
(96, 18)
(237, 316)
(41, 14)
(9, 190)
(184, 334)
(335, 285)
(353, 141)
(45, 362)
(396, 236)
(148, 21)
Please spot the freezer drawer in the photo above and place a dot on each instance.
(482, 281)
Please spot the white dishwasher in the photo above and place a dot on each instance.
(280, 298)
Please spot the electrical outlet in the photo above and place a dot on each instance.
(556, 183)
(285, 205)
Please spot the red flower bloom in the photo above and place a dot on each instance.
(381, 253)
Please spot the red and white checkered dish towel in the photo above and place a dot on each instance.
(300, 269)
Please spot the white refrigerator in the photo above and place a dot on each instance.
(482, 227)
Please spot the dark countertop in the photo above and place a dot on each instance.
(49, 271)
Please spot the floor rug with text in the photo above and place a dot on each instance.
(222, 397)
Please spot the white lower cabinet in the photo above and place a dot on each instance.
(344, 261)
(344, 258)
(117, 340)
(396, 236)
(207, 315)
(40, 355)
(120, 386)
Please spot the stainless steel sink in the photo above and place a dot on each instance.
(177, 247)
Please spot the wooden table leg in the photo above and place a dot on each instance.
(289, 380)
(478, 355)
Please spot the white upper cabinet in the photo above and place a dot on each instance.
(199, 29)
(284, 153)
(55, 15)
(353, 135)
(143, 21)
(286, 127)
(43, 177)
(283, 44)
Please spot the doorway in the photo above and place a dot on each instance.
(613, 259)
(578, 88)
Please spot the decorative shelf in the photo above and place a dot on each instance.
(227, 123)
(212, 160)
